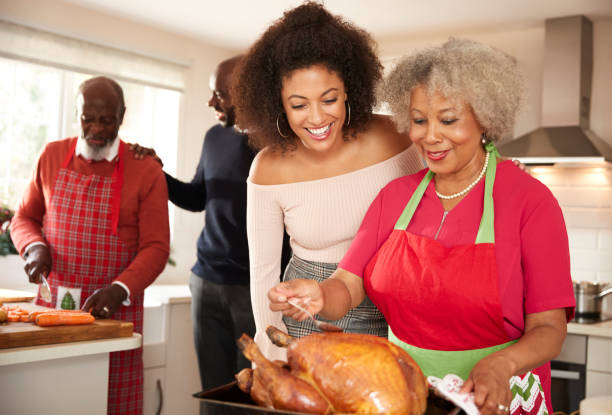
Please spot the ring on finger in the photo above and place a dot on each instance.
(105, 309)
(503, 408)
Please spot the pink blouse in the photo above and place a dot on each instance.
(531, 243)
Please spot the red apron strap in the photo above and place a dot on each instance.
(116, 186)
(70, 153)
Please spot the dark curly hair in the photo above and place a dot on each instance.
(305, 36)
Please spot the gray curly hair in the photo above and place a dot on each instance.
(467, 72)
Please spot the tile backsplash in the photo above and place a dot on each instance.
(585, 196)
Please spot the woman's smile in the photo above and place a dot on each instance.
(437, 155)
(320, 133)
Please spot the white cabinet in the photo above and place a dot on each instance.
(599, 367)
(182, 374)
(153, 391)
(171, 373)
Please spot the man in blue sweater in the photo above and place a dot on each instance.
(219, 283)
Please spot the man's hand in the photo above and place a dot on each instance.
(104, 302)
(141, 152)
(520, 165)
(38, 262)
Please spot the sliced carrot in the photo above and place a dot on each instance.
(13, 317)
(63, 318)
(24, 318)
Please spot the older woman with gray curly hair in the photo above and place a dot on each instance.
(468, 259)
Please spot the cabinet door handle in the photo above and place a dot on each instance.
(565, 374)
(160, 393)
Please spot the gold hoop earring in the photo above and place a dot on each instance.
(278, 127)
(348, 120)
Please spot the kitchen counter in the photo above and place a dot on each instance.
(69, 378)
(63, 350)
(156, 295)
(603, 329)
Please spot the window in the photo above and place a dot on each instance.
(38, 105)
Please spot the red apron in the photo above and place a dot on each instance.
(81, 227)
(457, 318)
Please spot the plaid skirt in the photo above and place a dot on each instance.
(365, 318)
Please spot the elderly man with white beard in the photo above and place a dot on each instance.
(94, 220)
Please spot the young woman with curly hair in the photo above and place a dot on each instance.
(468, 260)
(305, 90)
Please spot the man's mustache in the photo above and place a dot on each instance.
(105, 140)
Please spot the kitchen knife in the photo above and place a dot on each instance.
(45, 290)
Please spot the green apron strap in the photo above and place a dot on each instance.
(406, 216)
(486, 230)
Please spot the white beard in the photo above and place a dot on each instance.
(93, 153)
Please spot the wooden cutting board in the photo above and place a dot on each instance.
(19, 334)
(14, 296)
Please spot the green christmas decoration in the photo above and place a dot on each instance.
(6, 244)
(68, 302)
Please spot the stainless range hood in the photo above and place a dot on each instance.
(566, 100)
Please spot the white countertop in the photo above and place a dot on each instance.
(603, 329)
(60, 350)
(155, 295)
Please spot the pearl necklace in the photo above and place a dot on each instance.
(467, 189)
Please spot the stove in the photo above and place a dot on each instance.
(591, 318)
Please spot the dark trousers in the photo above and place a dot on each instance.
(220, 314)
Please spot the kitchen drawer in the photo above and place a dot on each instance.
(574, 349)
(598, 383)
(600, 354)
(153, 355)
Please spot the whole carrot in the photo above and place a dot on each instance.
(33, 314)
(63, 318)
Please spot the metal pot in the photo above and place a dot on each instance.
(588, 296)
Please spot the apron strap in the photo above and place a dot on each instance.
(486, 230)
(116, 187)
(406, 216)
(68, 157)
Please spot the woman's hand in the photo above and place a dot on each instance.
(490, 382)
(307, 292)
(490, 378)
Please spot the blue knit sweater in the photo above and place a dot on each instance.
(219, 187)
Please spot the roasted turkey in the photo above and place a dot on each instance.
(330, 373)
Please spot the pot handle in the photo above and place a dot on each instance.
(604, 293)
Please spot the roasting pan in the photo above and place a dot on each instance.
(229, 400)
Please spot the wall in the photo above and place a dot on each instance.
(584, 193)
(513, 42)
(195, 117)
